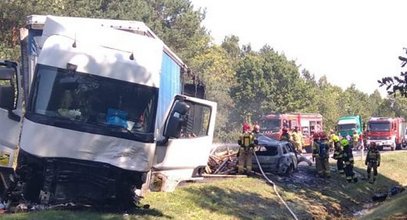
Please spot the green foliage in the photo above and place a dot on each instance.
(242, 81)
(216, 71)
(268, 82)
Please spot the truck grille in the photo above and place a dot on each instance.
(378, 138)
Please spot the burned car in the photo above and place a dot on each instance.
(275, 156)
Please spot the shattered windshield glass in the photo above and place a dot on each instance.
(81, 101)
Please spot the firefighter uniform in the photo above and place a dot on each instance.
(355, 139)
(246, 142)
(285, 136)
(348, 160)
(338, 154)
(320, 151)
(332, 138)
(372, 161)
(297, 140)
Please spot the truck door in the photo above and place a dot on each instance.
(10, 112)
(189, 132)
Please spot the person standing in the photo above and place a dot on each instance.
(332, 136)
(297, 140)
(246, 142)
(372, 161)
(355, 140)
(338, 154)
(320, 153)
(348, 160)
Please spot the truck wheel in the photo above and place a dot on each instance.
(398, 146)
(380, 148)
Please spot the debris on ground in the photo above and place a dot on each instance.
(222, 163)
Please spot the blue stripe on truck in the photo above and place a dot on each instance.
(170, 85)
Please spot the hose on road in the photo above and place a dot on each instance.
(274, 187)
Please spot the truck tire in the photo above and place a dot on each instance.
(398, 146)
(380, 148)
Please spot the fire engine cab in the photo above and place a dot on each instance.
(308, 123)
(386, 132)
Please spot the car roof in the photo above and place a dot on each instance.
(267, 141)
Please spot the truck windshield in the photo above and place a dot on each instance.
(379, 126)
(93, 104)
(270, 125)
(346, 127)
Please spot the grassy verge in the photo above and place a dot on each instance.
(252, 198)
(393, 209)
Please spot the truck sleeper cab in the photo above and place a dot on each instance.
(95, 122)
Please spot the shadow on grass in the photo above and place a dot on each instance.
(87, 213)
(240, 204)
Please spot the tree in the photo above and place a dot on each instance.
(268, 82)
(174, 21)
(396, 84)
(231, 45)
(216, 70)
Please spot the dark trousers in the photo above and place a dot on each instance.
(371, 165)
(349, 172)
(339, 165)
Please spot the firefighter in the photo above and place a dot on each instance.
(256, 130)
(320, 153)
(297, 140)
(285, 136)
(332, 136)
(347, 157)
(338, 154)
(246, 143)
(372, 161)
(355, 140)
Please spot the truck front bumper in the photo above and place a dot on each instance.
(381, 142)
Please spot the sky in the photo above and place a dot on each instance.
(349, 41)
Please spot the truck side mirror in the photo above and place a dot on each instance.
(178, 116)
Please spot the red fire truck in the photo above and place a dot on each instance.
(309, 123)
(386, 132)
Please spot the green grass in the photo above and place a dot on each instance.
(252, 198)
(393, 209)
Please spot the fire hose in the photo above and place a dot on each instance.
(274, 187)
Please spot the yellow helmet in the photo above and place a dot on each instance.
(335, 138)
(344, 142)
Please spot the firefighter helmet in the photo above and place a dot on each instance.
(246, 127)
(256, 128)
(344, 142)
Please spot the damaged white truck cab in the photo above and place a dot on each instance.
(102, 110)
